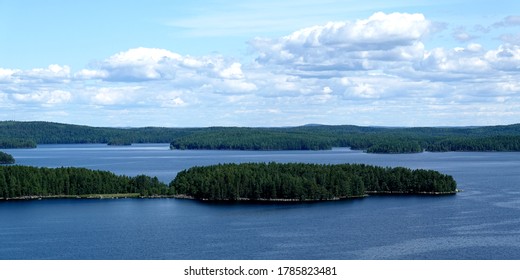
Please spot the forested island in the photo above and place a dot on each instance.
(27, 182)
(230, 182)
(6, 158)
(505, 138)
(305, 182)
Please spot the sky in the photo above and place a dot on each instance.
(207, 63)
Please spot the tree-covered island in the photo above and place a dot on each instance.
(305, 182)
(230, 182)
(27, 182)
(6, 158)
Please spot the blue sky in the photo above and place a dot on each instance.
(260, 63)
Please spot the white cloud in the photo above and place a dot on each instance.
(87, 74)
(375, 71)
(232, 72)
(44, 97)
(148, 64)
(327, 90)
(505, 57)
(347, 44)
(380, 31)
(461, 60)
(106, 96)
(53, 72)
(140, 64)
(6, 75)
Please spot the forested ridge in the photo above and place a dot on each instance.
(299, 181)
(27, 181)
(370, 139)
(57, 133)
(316, 137)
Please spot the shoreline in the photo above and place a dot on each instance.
(275, 200)
(84, 196)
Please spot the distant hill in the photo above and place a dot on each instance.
(59, 133)
(308, 137)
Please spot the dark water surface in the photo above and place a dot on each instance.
(483, 222)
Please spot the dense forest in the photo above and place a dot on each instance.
(13, 143)
(57, 133)
(370, 139)
(298, 181)
(26, 181)
(6, 158)
(313, 137)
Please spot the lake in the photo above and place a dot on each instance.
(482, 222)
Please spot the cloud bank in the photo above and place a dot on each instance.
(373, 71)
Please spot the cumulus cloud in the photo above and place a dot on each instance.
(44, 97)
(348, 44)
(148, 64)
(87, 74)
(54, 72)
(505, 57)
(463, 60)
(139, 64)
(115, 95)
(365, 71)
(7, 75)
(234, 71)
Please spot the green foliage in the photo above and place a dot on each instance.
(299, 181)
(371, 139)
(243, 138)
(56, 133)
(13, 143)
(21, 181)
(316, 137)
(6, 158)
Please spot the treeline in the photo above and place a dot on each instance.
(231, 138)
(27, 181)
(315, 137)
(249, 181)
(12, 143)
(299, 181)
(501, 143)
(6, 158)
(370, 139)
(57, 133)
(119, 142)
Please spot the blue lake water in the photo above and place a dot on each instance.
(482, 222)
